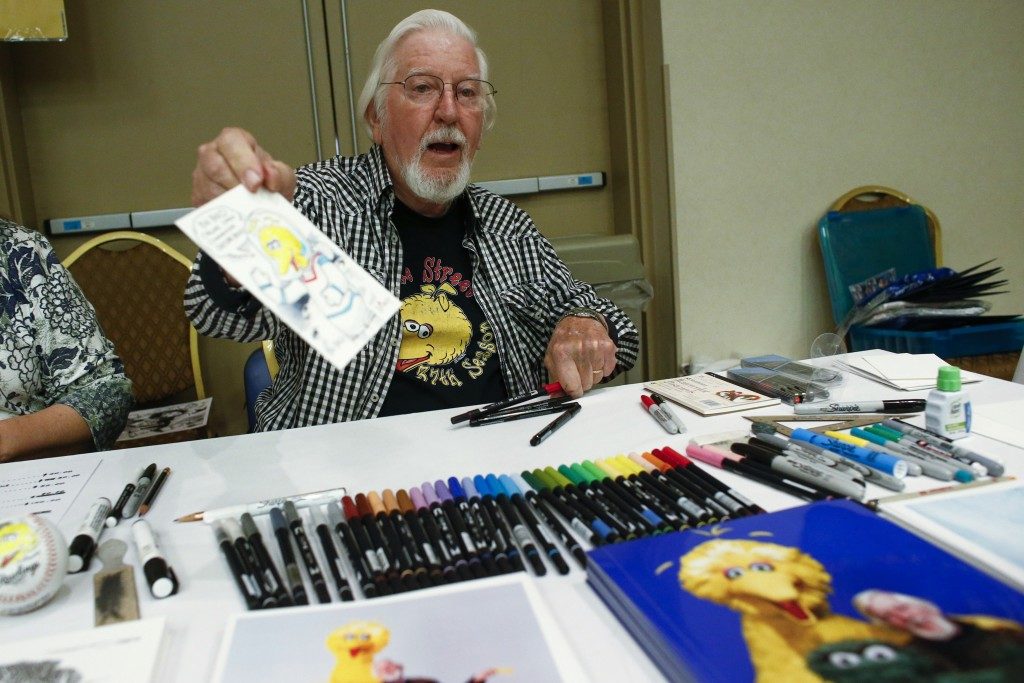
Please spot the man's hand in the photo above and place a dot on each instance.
(234, 157)
(580, 354)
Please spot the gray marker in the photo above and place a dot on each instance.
(141, 489)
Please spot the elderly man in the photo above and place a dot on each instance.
(486, 303)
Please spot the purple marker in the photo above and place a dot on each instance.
(449, 538)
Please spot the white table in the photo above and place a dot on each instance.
(396, 452)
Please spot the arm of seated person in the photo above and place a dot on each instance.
(54, 430)
(580, 354)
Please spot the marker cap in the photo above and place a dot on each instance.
(160, 577)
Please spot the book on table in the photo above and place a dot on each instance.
(709, 395)
(827, 591)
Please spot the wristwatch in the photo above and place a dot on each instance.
(584, 312)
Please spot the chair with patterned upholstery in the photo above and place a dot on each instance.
(136, 283)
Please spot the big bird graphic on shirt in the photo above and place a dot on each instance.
(435, 331)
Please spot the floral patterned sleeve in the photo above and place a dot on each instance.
(53, 350)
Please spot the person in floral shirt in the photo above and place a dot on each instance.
(62, 388)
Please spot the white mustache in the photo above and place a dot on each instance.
(448, 134)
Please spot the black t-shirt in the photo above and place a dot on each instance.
(448, 356)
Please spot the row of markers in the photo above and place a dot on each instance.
(479, 526)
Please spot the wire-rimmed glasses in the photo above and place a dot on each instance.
(425, 89)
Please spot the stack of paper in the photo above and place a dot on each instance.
(906, 371)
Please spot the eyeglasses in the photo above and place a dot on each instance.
(425, 89)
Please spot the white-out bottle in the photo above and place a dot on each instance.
(948, 408)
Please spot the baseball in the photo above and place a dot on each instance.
(33, 562)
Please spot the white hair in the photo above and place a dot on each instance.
(384, 67)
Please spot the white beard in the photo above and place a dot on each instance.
(432, 188)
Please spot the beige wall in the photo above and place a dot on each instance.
(778, 108)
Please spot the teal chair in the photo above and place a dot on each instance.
(873, 229)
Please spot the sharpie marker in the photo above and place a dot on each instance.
(159, 575)
(721, 459)
(668, 410)
(807, 451)
(889, 464)
(291, 568)
(246, 583)
(114, 516)
(84, 543)
(903, 405)
(659, 415)
(993, 466)
(806, 472)
(141, 489)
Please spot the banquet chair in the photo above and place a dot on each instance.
(873, 228)
(136, 283)
(260, 370)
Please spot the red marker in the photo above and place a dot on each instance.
(658, 414)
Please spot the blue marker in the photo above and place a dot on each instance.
(519, 530)
(501, 525)
(531, 511)
(889, 464)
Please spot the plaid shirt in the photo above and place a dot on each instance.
(519, 282)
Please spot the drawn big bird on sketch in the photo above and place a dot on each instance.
(435, 331)
(781, 594)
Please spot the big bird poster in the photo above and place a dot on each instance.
(827, 591)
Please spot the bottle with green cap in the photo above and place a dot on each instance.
(948, 408)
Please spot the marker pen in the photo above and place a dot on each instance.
(552, 389)
(634, 524)
(804, 471)
(547, 516)
(465, 533)
(658, 414)
(536, 530)
(246, 583)
(264, 565)
(903, 405)
(284, 544)
(593, 530)
(718, 458)
(141, 488)
(300, 500)
(646, 519)
(449, 555)
(583, 500)
(375, 560)
(150, 498)
(682, 466)
(803, 450)
(250, 565)
(571, 411)
(159, 575)
(423, 556)
(84, 543)
(400, 576)
(316, 576)
(519, 531)
(115, 512)
(411, 571)
(483, 535)
(684, 489)
(449, 533)
(323, 532)
(498, 418)
(364, 574)
(673, 515)
(502, 530)
(931, 465)
(431, 550)
(993, 466)
(670, 411)
(889, 464)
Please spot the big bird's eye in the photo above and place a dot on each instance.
(844, 660)
(879, 653)
(425, 331)
(762, 567)
(365, 636)
(733, 573)
(411, 326)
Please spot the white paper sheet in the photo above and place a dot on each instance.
(119, 653)
(44, 487)
(166, 419)
(283, 260)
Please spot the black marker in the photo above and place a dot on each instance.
(515, 495)
(545, 390)
(270, 579)
(250, 565)
(323, 532)
(376, 560)
(316, 576)
(503, 531)
(429, 539)
(115, 512)
(84, 543)
(498, 418)
(141, 488)
(571, 410)
(159, 575)
(348, 541)
(291, 567)
(519, 530)
(548, 517)
(246, 583)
